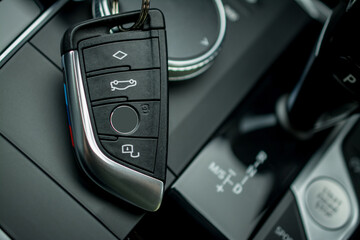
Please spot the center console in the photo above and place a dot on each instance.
(233, 171)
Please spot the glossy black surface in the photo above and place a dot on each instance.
(329, 88)
(248, 165)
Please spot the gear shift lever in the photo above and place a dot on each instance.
(329, 89)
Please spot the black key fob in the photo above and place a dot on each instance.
(117, 99)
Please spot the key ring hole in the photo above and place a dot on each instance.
(145, 5)
(115, 9)
(127, 25)
(123, 28)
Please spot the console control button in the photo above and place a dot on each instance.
(284, 222)
(328, 203)
(108, 119)
(120, 54)
(137, 152)
(124, 120)
(134, 85)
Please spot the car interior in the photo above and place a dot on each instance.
(192, 119)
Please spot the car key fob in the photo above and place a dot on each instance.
(117, 98)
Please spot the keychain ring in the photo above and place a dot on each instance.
(145, 5)
(101, 8)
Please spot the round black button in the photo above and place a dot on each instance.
(124, 120)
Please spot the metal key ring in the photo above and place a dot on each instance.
(115, 8)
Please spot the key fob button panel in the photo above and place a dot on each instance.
(118, 104)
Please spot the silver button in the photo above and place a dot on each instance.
(328, 203)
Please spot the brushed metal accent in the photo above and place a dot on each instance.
(328, 162)
(132, 186)
(3, 235)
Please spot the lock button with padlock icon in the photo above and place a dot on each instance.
(129, 149)
(138, 152)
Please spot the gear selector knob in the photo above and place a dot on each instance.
(329, 89)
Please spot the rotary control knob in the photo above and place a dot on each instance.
(195, 32)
